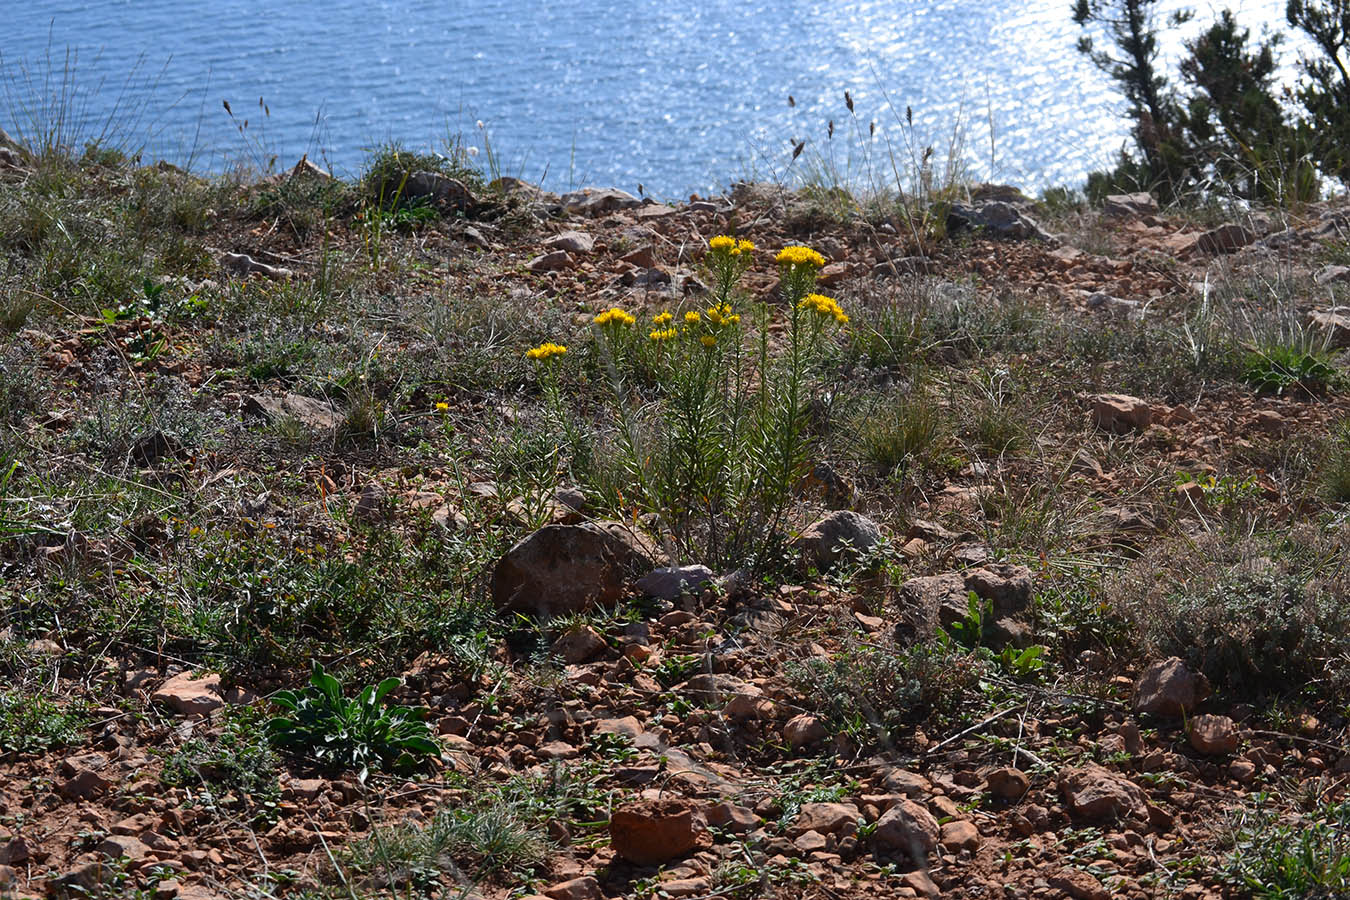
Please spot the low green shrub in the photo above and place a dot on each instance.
(32, 723)
(1284, 369)
(873, 693)
(357, 733)
(1274, 858)
(230, 773)
(1256, 615)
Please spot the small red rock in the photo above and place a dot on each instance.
(584, 888)
(826, 818)
(191, 693)
(960, 835)
(654, 831)
(1213, 734)
(1121, 413)
(804, 730)
(1008, 783)
(1168, 688)
(1078, 884)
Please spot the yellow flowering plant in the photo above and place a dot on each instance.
(711, 422)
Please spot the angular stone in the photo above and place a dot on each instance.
(1226, 238)
(928, 602)
(550, 261)
(1005, 585)
(445, 191)
(1168, 688)
(825, 818)
(584, 888)
(730, 817)
(311, 413)
(579, 644)
(557, 750)
(834, 537)
(1334, 324)
(1121, 413)
(909, 828)
(1095, 793)
(191, 693)
(1332, 274)
(654, 832)
(686, 887)
(1214, 735)
(804, 730)
(671, 582)
(903, 781)
(628, 727)
(244, 265)
(809, 842)
(921, 883)
(85, 784)
(1129, 206)
(718, 687)
(960, 835)
(1078, 884)
(121, 845)
(996, 219)
(564, 569)
(571, 242)
(1008, 783)
(598, 201)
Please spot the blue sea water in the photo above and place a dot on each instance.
(674, 96)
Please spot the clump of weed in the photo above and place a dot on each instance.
(1283, 368)
(32, 723)
(897, 435)
(302, 203)
(871, 693)
(1253, 614)
(498, 830)
(1275, 858)
(231, 773)
(351, 733)
(1336, 465)
(390, 167)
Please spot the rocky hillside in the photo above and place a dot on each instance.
(1019, 571)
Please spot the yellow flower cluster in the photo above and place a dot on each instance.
(824, 306)
(692, 317)
(708, 340)
(668, 334)
(725, 243)
(614, 316)
(545, 351)
(800, 256)
(721, 315)
(662, 318)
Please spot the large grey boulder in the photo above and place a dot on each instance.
(1169, 688)
(564, 569)
(840, 535)
(598, 201)
(671, 582)
(445, 191)
(1130, 206)
(997, 219)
